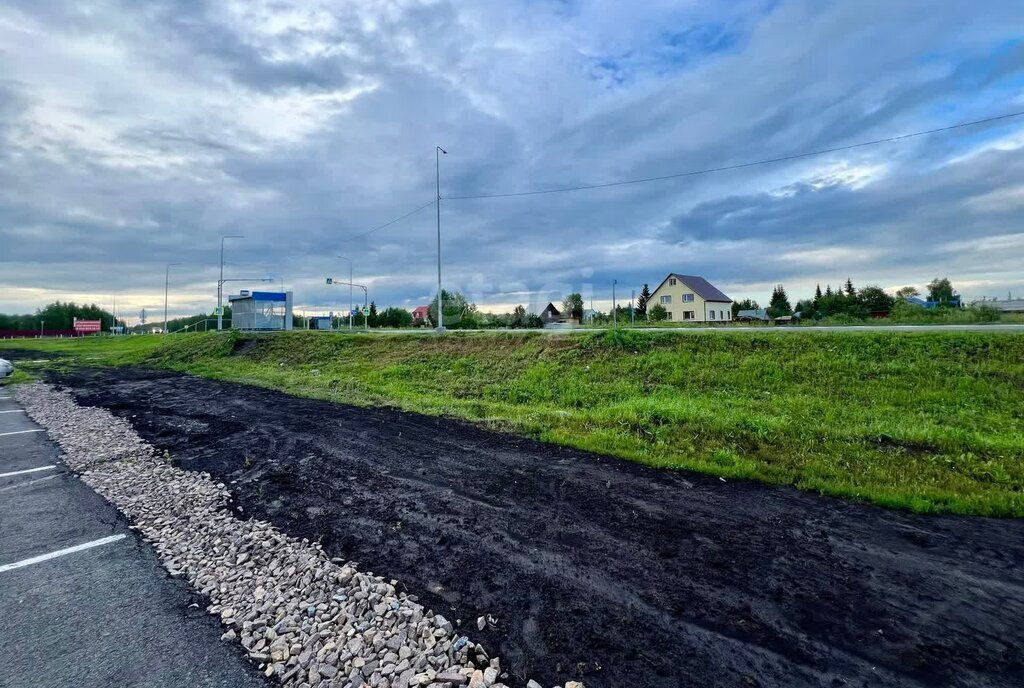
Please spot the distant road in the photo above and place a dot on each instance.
(732, 328)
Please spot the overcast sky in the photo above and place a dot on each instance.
(133, 134)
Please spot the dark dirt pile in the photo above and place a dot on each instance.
(597, 568)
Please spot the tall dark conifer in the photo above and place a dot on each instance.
(641, 301)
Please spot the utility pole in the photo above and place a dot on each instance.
(615, 314)
(349, 291)
(440, 304)
(167, 280)
(220, 282)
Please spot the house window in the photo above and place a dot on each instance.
(711, 315)
(688, 297)
(668, 315)
(687, 315)
(671, 281)
(666, 299)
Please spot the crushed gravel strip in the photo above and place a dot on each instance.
(305, 620)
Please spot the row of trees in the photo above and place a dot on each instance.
(459, 314)
(849, 301)
(56, 316)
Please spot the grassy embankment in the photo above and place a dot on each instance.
(928, 421)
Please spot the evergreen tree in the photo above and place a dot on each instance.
(817, 294)
(779, 304)
(850, 291)
(828, 290)
(641, 301)
(373, 315)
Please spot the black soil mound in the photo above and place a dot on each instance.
(599, 569)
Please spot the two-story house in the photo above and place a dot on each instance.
(690, 298)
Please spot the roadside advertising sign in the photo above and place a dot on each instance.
(87, 326)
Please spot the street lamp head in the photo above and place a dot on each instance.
(442, 150)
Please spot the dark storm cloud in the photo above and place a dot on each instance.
(242, 62)
(931, 206)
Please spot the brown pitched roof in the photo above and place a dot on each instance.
(700, 286)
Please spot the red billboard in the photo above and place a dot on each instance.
(84, 326)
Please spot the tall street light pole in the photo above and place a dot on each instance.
(615, 314)
(440, 305)
(349, 290)
(220, 282)
(167, 281)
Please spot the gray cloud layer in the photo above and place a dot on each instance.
(138, 135)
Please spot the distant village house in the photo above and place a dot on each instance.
(420, 315)
(753, 315)
(689, 298)
(551, 315)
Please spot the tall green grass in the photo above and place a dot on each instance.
(932, 422)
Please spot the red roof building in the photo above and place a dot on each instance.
(420, 314)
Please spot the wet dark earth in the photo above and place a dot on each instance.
(598, 569)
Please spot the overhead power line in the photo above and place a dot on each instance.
(739, 166)
(391, 222)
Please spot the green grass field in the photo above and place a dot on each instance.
(930, 421)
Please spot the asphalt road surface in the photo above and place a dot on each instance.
(104, 614)
(726, 329)
(598, 568)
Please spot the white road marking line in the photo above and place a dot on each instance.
(28, 470)
(29, 482)
(61, 552)
(14, 411)
(5, 398)
(19, 432)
